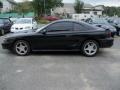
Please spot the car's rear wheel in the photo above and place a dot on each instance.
(118, 33)
(90, 48)
(2, 32)
(21, 48)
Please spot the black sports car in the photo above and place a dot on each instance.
(60, 35)
(5, 25)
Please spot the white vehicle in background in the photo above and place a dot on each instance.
(24, 25)
(14, 19)
(82, 16)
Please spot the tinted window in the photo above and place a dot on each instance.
(88, 26)
(60, 26)
(79, 27)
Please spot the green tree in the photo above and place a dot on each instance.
(41, 7)
(1, 6)
(111, 11)
(23, 8)
(78, 6)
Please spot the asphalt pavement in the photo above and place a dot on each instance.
(61, 70)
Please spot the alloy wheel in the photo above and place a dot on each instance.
(90, 48)
(21, 48)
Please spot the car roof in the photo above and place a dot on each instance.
(70, 20)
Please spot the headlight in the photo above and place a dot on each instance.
(27, 27)
(8, 40)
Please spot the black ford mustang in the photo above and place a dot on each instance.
(60, 35)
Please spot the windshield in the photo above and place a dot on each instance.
(23, 21)
(42, 27)
(117, 21)
(99, 21)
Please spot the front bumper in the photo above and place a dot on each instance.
(106, 43)
(17, 31)
(6, 46)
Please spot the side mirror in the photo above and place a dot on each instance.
(43, 32)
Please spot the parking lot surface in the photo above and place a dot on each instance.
(61, 70)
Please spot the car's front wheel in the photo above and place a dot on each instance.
(90, 48)
(21, 48)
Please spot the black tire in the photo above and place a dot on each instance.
(84, 52)
(118, 33)
(27, 48)
(0, 33)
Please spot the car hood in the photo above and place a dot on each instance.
(21, 25)
(15, 35)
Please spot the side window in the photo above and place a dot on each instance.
(60, 26)
(79, 27)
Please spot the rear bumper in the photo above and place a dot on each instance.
(105, 43)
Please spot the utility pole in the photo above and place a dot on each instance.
(44, 7)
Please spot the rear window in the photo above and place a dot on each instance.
(79, 27)
(84, 26)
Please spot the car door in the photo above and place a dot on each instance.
(57, 36)
(81, 32)
(7, 25)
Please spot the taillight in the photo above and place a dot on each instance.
(108, 33)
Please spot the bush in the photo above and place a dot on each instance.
(43, 21)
